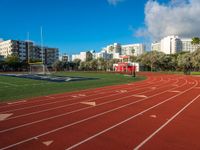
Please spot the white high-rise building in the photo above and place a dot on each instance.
(155, 46)
(133, 49)
(104, 55)
(170, 44)
(82, 56)
(187, 45)
(173, 44)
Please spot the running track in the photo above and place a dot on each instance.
(161, 112)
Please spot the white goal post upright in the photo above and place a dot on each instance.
(42, 50)
(38, 67)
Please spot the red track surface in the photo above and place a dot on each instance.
(161, 112)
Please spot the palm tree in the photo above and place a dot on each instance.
(195, 59)
(195, 42)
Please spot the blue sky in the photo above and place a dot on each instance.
(73, 25)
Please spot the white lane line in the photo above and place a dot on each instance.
(89, 103)
(165, 124)
(140, 96)
(124, 121)
(10, 103)
(4, 116)
(10, 84)
(121, 91)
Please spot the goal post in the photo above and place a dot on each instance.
(38, 68)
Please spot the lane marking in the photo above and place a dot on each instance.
(9, 84)
(4, 116)
(74, 96)
(47, 143)
(153, 116)
(197, 87)
(89, 103)
(121, 91)
(143, 96)
(10, 103)
(153, 88)
(124, 121)
(165, 124)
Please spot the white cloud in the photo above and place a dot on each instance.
(178, 17)
(114, 2)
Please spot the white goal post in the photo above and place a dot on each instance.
(38, 69)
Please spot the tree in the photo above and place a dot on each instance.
(89, 56)
(184, 62)
(151, 60)
(195, 59)
(195, 41)
(57, 65)
(110, 63)
(13, 62)
(102, 64)
(76, 63)
(93, 64)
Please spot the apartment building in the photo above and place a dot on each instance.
(27, 51)
(81, 56)
(104, 55)
(14, 47)
(133, 49)
(155, 46)
(113, 51)
(64, 57)
(187, 45)
(173, 44)
(117, 50)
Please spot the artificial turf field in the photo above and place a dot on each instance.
(12, 88)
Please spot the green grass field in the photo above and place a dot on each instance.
(12, 88)
(195, 73)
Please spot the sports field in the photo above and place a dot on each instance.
(161, 112)
(12, 88)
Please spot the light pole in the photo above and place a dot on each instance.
(133, 71)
